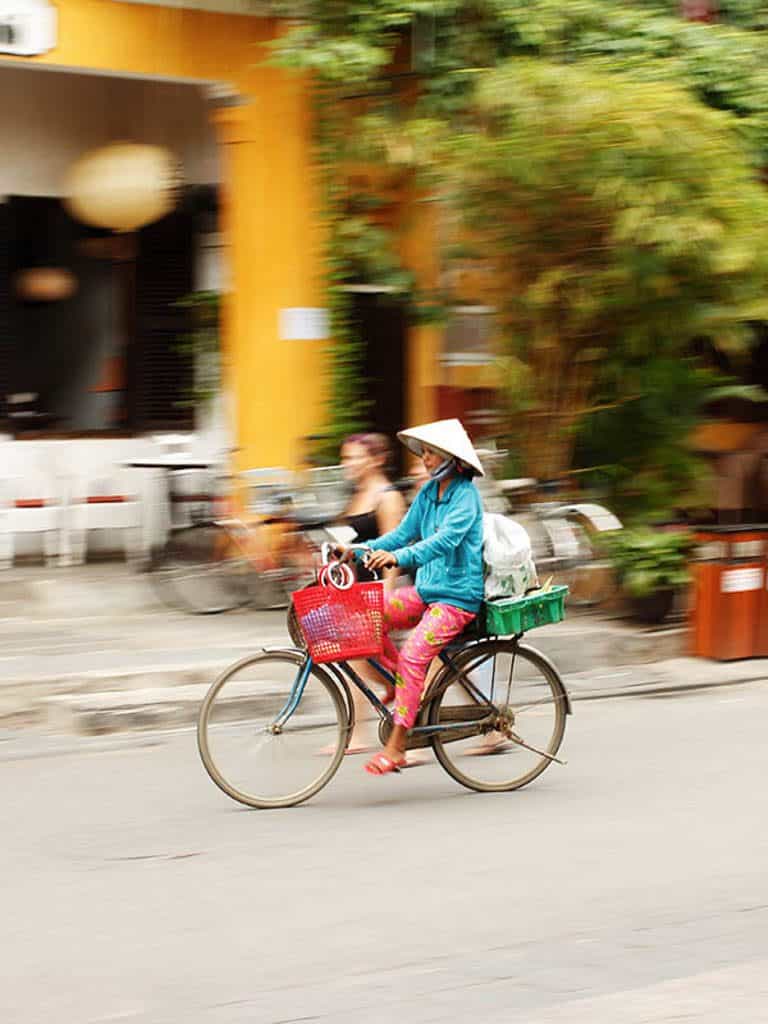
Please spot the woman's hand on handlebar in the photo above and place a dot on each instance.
(374, 560)
(349, 552)
(379, 560)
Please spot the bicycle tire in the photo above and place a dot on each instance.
(195, 573)
(219, 723)
(271, 590)
(524, 765)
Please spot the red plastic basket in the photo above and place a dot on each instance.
(338, 625)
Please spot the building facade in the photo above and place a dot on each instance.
(196, 81)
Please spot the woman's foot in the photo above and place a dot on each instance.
(392, 757)
(383, 763)
(404, 759)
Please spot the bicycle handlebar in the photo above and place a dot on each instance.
(328, 546)
(345, 575)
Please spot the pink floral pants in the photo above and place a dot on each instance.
(435, 626)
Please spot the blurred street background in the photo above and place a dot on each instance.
(243, 243)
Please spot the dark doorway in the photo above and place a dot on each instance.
(56, 349)
(108, 358)
(381, 325)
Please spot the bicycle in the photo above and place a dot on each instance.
(273, 728)
(564, 537)
(564, 533)
(220, 562)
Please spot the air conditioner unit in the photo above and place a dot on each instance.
(27, 27)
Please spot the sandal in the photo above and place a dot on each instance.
(383, 765)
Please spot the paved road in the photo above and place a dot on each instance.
(629, 887)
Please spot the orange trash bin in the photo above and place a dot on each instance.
(729, 599)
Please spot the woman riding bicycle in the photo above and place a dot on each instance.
(441, 537)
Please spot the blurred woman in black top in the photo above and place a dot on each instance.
(375, 508)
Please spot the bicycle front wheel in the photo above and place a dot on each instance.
(523, 730)
(272, 731)
(202, 571)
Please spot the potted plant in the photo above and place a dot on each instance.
(651, 568)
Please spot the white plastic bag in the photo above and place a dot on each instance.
(510, 570)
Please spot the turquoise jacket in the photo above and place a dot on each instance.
(442, 538)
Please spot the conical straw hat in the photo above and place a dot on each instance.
(446, 436)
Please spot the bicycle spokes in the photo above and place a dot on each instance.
(520, 707)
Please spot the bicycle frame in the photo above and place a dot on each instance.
(345, 670)
(249, 540)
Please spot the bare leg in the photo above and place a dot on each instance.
(395, 748)
(359, 741)
(435, 629)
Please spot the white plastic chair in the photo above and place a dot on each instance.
(191, 496)
(32, 503)
(103, 502)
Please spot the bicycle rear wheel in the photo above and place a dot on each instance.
(521, 734)
(201, 570)
(254, 748)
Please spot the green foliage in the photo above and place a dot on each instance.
(647, 561)
(366, 249)
(355, 44)
(622, 220)
(202, 345)
(346, 401)
(637, 436)
(612, 197)
(750, 14)
(603, 154)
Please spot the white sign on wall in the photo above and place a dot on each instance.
(735, 581)
(27, 27)
(303, 323)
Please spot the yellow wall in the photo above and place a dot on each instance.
(270, 217)
(421, 254)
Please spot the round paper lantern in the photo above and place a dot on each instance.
(122, 186)
(45, 284)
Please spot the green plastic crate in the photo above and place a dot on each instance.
(512, 615)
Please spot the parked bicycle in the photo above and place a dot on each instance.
(565, 533)
(222, 560)
(565, 537)
(273, 728)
